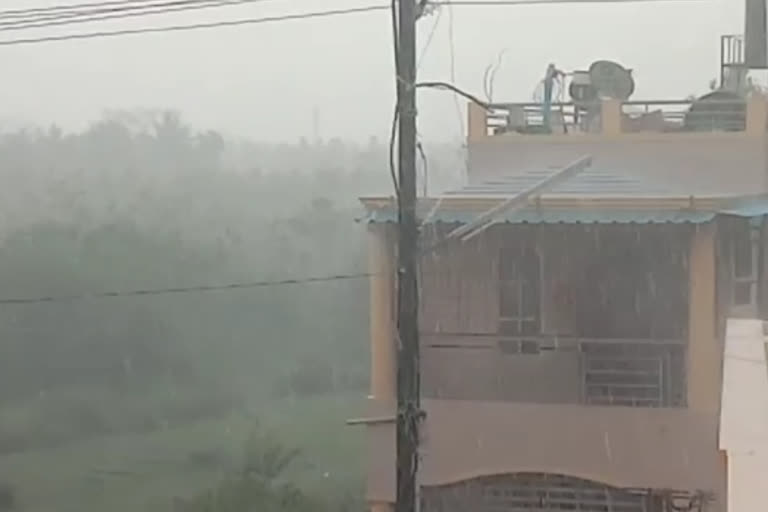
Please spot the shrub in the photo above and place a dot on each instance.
(248, 494)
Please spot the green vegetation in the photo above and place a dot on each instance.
(219, 401)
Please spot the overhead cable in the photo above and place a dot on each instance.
(502, 3)
(183, 289)
(194, 26)
(289, 17)
(117, 3)
(104, 14)
(7, 13)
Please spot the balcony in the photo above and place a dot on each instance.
(563, 370)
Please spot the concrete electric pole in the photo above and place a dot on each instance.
(408, 399)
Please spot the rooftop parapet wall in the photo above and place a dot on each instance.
(722, 155)
(611, 118)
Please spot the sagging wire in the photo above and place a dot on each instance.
(452, 51)
(432, 33)
(424, 7)
(392, 139)
(243, 285)
(489, 76)
(424, 167)
(436, 84)
(395, 118)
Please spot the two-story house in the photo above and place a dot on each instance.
(572, 350)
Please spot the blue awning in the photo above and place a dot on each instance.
(556, 216)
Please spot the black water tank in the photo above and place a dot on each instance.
(717, 111)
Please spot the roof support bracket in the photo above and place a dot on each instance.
(520, 200)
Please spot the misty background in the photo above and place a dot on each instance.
(134, 402)
(237, 155)
(334, 77)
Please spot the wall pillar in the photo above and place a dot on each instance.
(610, 117)
(757, 114)
(477, 122)
(381, 260)
(704, 349)
(382, 317)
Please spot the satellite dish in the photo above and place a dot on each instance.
(611, 80)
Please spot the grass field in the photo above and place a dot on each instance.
(145, 472)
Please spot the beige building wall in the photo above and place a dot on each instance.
(623, 447)
(744, 414)
(722, 163)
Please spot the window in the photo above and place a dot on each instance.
(519, 292)
(744, 266)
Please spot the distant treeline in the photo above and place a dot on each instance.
(141, 200)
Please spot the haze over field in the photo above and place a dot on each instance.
(236, 156)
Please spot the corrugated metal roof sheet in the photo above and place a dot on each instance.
(747, 207)
(586, 183)
(588, 197)
(559, 216)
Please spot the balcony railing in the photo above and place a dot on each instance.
(612, 117)
(622, 372)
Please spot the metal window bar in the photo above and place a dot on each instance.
(745, 278)
(630, 381)
(520, 282)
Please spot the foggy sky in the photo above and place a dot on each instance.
(265, 81)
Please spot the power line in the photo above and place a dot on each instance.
(450, 87)
(452, 69)
(291, 17)
(96, 8)
(502, 3)
(395, 116)
(69, 18)
(430, 37)
(68, 7)
(140, 3)
(184, 289)
(195, 26)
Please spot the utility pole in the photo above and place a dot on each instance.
(408, 399)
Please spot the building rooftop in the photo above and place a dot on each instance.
(591, 196)
(587, 183)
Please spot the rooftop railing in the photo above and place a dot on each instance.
(612, 117)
